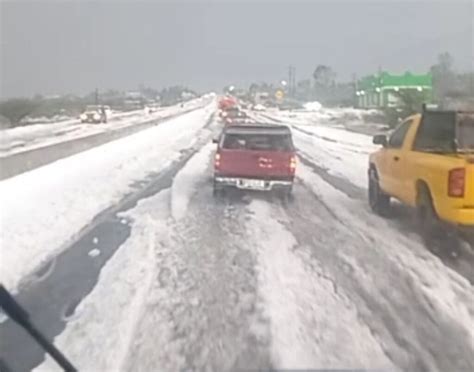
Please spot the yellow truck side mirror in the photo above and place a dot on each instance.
(380, 139)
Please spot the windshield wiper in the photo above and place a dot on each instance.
(19, 315)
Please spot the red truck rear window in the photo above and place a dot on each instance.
(257, 142)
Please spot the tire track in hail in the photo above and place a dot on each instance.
(205, 291)
(413, 335)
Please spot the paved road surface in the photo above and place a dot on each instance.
(186, 281)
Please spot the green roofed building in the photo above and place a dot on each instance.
(381, 90)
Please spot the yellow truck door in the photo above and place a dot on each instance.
(406, 167)
(395, 159)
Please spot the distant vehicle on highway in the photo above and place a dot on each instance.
(226, 106)
(255, 157)
(95, 114)
(259, 107)
(227, 102)
(427, 163)
(150, 109)
(261, 97)
(232, 110)
(236, 116)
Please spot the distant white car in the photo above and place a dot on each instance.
(95, 114)
(259, 107)
(312, 106)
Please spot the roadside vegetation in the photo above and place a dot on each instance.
(450, 87)
(23, 111)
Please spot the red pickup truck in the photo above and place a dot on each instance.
(255, 157)
(236, 116)
(227, 102)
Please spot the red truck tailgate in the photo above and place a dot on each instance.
(258, 164)
(262, 152)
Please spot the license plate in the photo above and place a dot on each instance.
(252, 184)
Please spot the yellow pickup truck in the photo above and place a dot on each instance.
(427, 163)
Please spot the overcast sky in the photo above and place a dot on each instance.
(53, 47)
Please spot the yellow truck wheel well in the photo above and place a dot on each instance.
(373, 167)
(423, 188)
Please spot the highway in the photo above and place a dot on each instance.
(148, 271)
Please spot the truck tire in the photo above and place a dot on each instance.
(217, 191)
(379, 201)
(286, 194)
(434, 234)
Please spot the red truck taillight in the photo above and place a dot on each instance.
(456, 182)
(293, 163)
(217, 161)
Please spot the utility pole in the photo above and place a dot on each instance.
(355, 89)
(96, 96)
(291, 80)
(290, 71)
(294, 81)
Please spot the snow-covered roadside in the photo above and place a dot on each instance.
(43, 209)
(312, 325)
(346, 139)
(27, 132)
(339, 152)
(46, 120)
(447, 294)
(16, 140)
(352, 119)
(325, 115)
(99, 339)
(188, 180)
(330, 146)
(101, 336)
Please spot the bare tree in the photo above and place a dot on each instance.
(17, 108)
(324, 82)
(444, 78)
(324, 76)
(411, 102)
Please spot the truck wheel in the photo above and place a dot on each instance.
(217, 191)
(433, 233)
(286, 194)
(379, 201)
